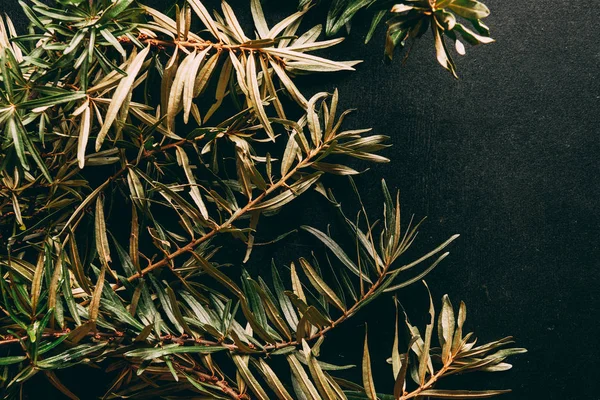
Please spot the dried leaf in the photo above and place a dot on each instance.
(446, 325)
(462, 394)
(84, 134)
(255, 97)
(367, 374)
(121, 93)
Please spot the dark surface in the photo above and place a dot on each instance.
(507, 157)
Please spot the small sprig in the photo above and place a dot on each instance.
(410, 19)
(426, 365)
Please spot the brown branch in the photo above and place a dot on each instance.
(9, 339)
(428, 384)
(221, 383)
(347, 314)
(201, 45)
(227, 224)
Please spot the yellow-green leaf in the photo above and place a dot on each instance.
(367, 374)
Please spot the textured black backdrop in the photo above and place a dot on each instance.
(508, 157)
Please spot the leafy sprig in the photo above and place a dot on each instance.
(425, 365)
(410, 19)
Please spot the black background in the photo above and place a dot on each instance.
(507, 157)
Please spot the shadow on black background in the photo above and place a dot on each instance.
(507, 156)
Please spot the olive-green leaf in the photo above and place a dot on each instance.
(102, 245)
(321, 286)
(425, 357)
(241, 362)
(11, 360)
(271, 377)
(367, 374)
(158, 352)
(337, 251)
(307, 387)
(317, 374)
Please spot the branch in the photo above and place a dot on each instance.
(227, 224)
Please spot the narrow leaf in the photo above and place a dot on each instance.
(121, 93)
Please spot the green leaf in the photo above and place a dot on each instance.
(115, 9)
(341, 12)
(23, 268)
(270, 377)
(285, 303)
(412, 280)
(51, 101)
(317, 374)
(304, 382)
(374, 23)
(11, 360)
(241, 362)
(106, 34)
(337, 251)
(219, 276)
(158, 352)
(272, 311)
(70, 357)
(177, 312)
(18, 138)
(321, 286)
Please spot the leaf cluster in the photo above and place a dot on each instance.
(409, 19)
(425, 365)
(135, 153)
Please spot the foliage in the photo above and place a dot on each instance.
(119, 193)
(410, 19)
(456, 354)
